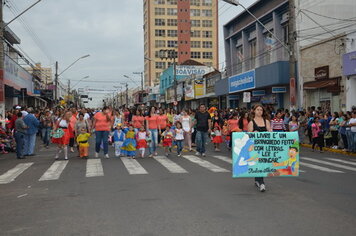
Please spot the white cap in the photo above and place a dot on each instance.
(17, 107)
(24, 113)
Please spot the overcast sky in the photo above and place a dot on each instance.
(111, 31)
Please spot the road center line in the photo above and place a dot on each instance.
(13, 173)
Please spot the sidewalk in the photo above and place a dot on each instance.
(331, 150)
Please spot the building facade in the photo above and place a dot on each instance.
(189, 27)
(257, 66)
(43, 73)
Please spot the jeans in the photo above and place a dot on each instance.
(353, 142)
(349, 139)
(335, 138)
(154, 141)
(30, 143)
(45, 135)
(179, 146)
(301, 132)
(344, 141)
(20, 141)
(201, 138)
(101, 137)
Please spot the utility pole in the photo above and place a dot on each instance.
(127, 95)
(172, 55)
(56, 83)
(140, 73)
(68, 90)
(292, 56)
(2, 58)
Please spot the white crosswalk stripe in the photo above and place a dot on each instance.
(133, 167)
(329, 163)
(94, 168)
(342, 161)
(203, 163)
(224, 158)
(55, 171)
(13, 173)
(325, 169)
(170, 165)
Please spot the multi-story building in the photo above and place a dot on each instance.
(189, 27)
(45, 74)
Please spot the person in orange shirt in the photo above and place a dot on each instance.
(162, 123)
(102, 125)
(233, 126)
(243, 121)
(152, 124)
(73, 121)
(138, 120)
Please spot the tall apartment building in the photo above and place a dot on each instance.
(188, 26)
(43, 73)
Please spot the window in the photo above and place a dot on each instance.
(207, 13)
(172, 43)
(160, 64)
(195, 34)
(159, 2)
(194, 12)
(240, 54)
(160, 22)
(195, 44)
(207, 55)
(207, 34)
(285, 34)
(195, 55)
(195, 2)
(195, 23)
(207, 3)
(160, 33)
(172, 11)
(158, 75)
(172, 22)
(172, 33)
(207, 44)
(160, 54)
(172, 2)
(160, 43)
(159, 11)
(253, 53)
(207, 23)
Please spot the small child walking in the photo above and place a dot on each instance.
(129, 146)
(83, 143)
(167, 139)
(119, 138)
(179, 137)
(217, 138)
(141, 138)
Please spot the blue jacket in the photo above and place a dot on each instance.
(32, 123)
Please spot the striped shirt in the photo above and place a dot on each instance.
(277, 124)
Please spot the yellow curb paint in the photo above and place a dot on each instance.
(331, 150)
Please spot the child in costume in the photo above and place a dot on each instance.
(141, 138)
(119, 138)
(217, 138)
(179, 137)
(83, 143)
(129, 146)
(226, 133)
(167, 139)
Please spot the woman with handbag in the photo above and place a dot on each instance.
(61, 134)
(318, 134)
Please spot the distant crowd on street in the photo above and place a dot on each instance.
(132, 131)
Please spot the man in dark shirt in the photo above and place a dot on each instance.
(203, 126)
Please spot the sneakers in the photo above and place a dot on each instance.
(262, 188)
(203, 154)
(197, 153)
(257, 184)
(65, 158)
(96, 154)
(107, 156)
(179, 154)
(56, 157)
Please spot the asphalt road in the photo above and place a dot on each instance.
(181, 196)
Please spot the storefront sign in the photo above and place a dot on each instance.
(47, 93)
(267, 154)
(193, 70)
(321, 72)
(242, 82)
(189, 91)
(210, 83)
(233, 97)
(247, 97)
(349, 63)
(279, 89)
(256, 93)
(16, 76)
(199, 88)
(269, 99)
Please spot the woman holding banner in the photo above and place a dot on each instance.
(259, 123)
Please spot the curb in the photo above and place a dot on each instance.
(331, 150)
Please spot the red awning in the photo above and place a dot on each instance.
(321, 83)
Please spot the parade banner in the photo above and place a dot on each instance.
(265, 154)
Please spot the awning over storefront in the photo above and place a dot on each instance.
(321, 83)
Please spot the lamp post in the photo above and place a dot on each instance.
(127, 93)
(57, 75)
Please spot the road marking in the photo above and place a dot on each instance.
(342, 161)
(224, 158)
(329, 163)
(133, 167)
(170, 165)
(210, 166)
(13, 173)
(54, 171)
(94, 168)
(320, 168)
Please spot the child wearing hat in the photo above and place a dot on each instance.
(118, 138)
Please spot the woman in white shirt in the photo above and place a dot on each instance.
(187, 126)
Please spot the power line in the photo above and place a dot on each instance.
(329, 17)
